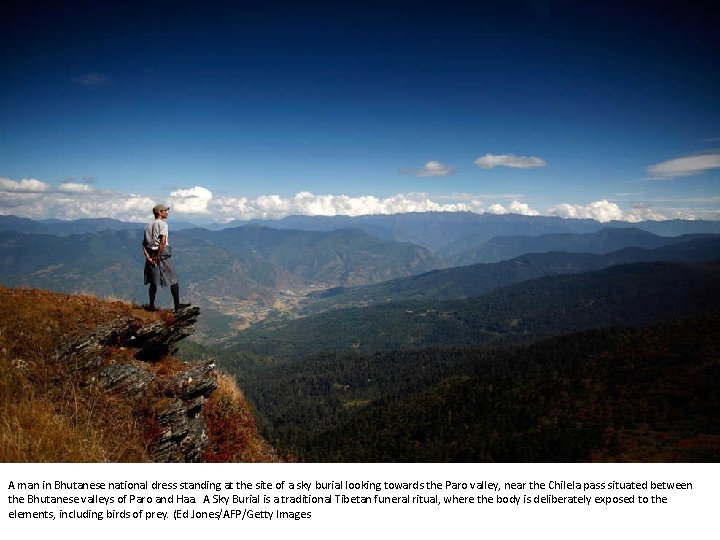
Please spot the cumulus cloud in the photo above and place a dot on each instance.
(686, 165)
(435, 168)
(309, 204)
(26, 185)
(194, 200)
(431, 168)
(515, 207)
(72, 200)
(605, 210)
(101, 203)
(16, 194)
(490, 161)
(646, 212)
(74, 187)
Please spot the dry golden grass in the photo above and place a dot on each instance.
(47, 414)
(67, 424)
(168, 365)
(232, 432)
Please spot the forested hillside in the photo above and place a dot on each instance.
(500, 248)
(344, 257)
(475, 280)
(634, 394)
(641, 293)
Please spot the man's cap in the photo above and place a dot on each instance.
(160, 208)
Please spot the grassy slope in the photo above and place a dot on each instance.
(50, 415)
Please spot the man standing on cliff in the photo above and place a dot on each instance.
(159, 267)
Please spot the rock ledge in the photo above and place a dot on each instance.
(127, 357)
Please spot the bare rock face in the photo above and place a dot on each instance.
(130, 380)
(160, 339)
(169, 401)
(151, 341)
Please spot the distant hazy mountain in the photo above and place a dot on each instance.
(438, 230)
(624, 295)
(107, 264)
(342, 257)
(673, 227)
(435, 230)
(216, 268)
(18, 224)
(76, 226)
(475, 280)
(501, 248)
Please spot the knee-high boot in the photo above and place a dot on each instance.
(152, 293)
(175, 291)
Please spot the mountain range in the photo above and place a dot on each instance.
(366, 339)
(623, 295)
(618, 364)
(437, 231)
(340, 257)
(63, 227)
(606, 240)
(238, 274)
(477, 279)
(441, 231)
(248, 274)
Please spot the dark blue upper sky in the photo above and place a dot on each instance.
(238, 109)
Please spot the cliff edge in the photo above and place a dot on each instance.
(90, 380)
(171, 398)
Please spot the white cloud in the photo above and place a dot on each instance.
(435, 168)
(490, 161)
(515, 207)
(99, 204)
(309, 204)
(74, 187)
(18, 194)
(26, 185)
(431, 168)
(605, 210)
(72, 200)
(194, 200)
(686, 165)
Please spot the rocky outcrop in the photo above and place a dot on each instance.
(129, 358)
(151, 341)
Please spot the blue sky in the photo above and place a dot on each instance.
(237, 110)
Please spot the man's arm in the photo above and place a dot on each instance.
(148, 258)
(161, 248)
